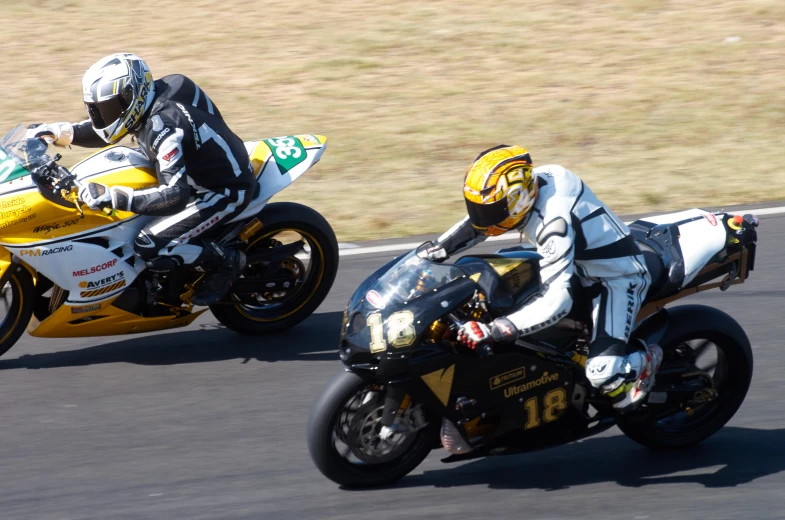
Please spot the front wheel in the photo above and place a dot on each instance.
(704, 377)
(16, 307)
(279, 293)
(345, 441)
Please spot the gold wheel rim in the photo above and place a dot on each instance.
(314, 245)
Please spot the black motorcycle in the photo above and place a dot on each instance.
(409, 386)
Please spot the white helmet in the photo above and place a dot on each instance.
(117, 91)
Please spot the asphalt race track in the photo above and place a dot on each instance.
(203, 423)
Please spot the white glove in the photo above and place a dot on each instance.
(59, 134)
(434, 254)
(98, 196)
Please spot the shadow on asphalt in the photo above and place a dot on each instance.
(731, 457)
(211, 342)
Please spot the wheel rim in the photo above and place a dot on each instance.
(11, 299)
(306, 268)
(707, 359)
(355, 434)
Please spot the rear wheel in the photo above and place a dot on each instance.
(344, 435)
(703, 379)
(16, 307)
(300, 280)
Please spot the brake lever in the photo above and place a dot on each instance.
(69, 194)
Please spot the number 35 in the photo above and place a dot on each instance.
(284, 147)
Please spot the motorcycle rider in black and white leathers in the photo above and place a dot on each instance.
(203, 168)
(576, 235)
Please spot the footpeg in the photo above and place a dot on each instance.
(467, 408)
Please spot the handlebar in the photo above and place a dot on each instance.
(62, 183)
(60, 180)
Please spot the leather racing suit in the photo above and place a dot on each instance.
(575, 234)
(204, 170)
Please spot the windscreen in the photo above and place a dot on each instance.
(411, 277)
(19, 155)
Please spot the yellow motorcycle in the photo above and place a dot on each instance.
(69, 271)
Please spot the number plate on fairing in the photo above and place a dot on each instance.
(288, 152)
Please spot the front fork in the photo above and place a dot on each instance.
(396, 403)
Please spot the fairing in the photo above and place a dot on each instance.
(277, 162)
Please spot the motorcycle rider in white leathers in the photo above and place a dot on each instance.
(576, 235)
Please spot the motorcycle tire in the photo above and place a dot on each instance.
(20, 310)
(325, 414)
(277, 218)
(734, 365)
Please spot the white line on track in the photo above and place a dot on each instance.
(354, 250)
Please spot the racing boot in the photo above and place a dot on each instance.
(625, 379)
(223, 268)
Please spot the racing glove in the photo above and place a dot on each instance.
(59, 134)
(99, 196)
(474, 334)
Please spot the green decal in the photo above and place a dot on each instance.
(9, 169)
(288, 152)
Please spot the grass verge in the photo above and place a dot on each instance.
(656, 104)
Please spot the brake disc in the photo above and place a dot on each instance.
(364, 439)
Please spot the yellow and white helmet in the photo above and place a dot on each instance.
(117, 91)
(500, 189)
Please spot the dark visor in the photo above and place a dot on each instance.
(486, 215)
(106, 112)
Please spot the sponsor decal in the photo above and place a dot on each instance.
(507, 378)
(15, 213)
(10, 203)
(711, 218)
(103, 282)
(170, 155)
(47, 228)
(86, 308)
(161, 135)
(199, 230)
(46, 252)
(375, 299)
(197, 137)
(544, 324)
(10, 223)
(544, 379)
(95, 268)
(102, 286)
